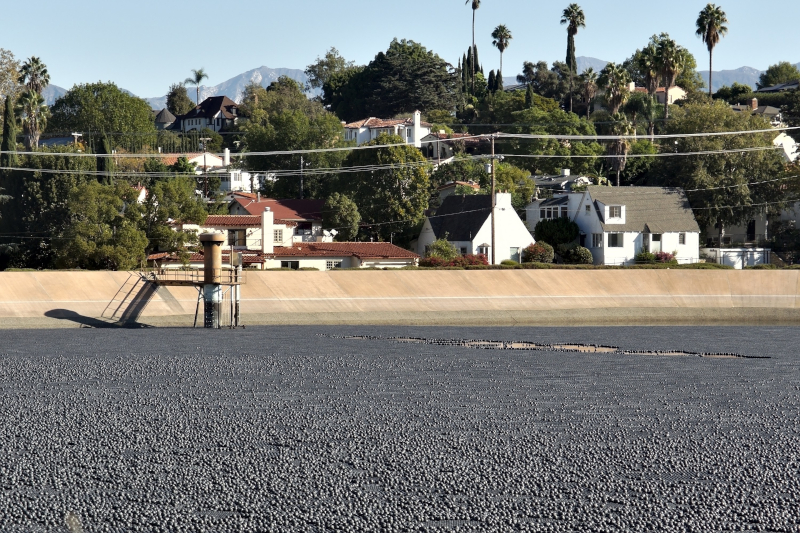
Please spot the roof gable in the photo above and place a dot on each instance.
(461, 217)
(289, 209)
(647, 209)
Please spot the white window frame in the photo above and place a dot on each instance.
(332, 264)
(588, 209)
(277, 235)
(597, 240)
(681, 238)
(615, 211)
(618, 237)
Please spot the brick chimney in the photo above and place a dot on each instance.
(753, 103)
(267, 234)
(417, 129)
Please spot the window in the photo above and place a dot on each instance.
(463, 251)
(514, 254)
(294, 265)
(304, 228)
(588, 209)
(237, 237)
(615, 240)
(597, 240)
(277, 235)
(483, 250)
(615, 211)
(541, 214)
(330, 265)
(681, 238)
(564, 212)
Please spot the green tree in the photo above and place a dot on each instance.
(618, 148)
(100, 109)
(321, 70)
(443, 249)
(556, 231)
(285, 119)
(214, 142)
(671, 59)
(169, 200)
(782, 72)
(475, 5)
(182, 166)
(105, 165)
(103, 231)
(642, 106)
(9, 74)
(734, 94)
(461, 169)
(491, 83)
(574, 18)
(33, 74)
(501, 38)
(614, 79)
(196, 79)
(711, 28)
(32, 113)
(724, 188)
(178, 101)
(8, 158)
(588, 85)
(10, 181)
(396, 193)
(341, 213)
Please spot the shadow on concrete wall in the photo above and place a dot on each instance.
(131, 299)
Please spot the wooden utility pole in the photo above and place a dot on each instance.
(494, 201)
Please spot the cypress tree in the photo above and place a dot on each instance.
(9, 136)
(104, 164)
(529, 97)
(498, 81)
(475, 58)
(491, 83)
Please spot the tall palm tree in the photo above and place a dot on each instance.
(671, 62)
(197, 77)
(711, 28)
(475, 5)
(648, 65)
(574, 18)
(588, 87)
(502, 37)
(619, 148)
(614, 80)
(32, 113)
(33, 74)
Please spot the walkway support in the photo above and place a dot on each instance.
(212, 279)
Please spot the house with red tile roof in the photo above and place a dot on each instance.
(269, 242)
(412, 130)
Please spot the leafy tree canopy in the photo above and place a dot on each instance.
(341, 213)
(556, 231)
(735, 94)
(782, 72)
(321, 70)
(178, 101)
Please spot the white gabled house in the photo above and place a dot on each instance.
(412, 130)
(465, 221)
(616, 223)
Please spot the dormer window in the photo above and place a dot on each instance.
(615, 211)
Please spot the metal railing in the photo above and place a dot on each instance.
(197, 276)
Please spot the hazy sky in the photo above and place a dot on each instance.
(145, 45)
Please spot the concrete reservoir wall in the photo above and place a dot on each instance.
(422, 297)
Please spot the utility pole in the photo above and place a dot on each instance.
(301, 177)
(205, 166)
(494, 201)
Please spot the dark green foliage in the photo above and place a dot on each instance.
(182, 166)
(509, 262)
(782, 72)
(538, 252)
(577, 255)
(214, 144)
(491, 82)
(105, 165)
(178, 101)
(556, 231)
(9, 143)
(321, 70)
(498, 82)
(645, 257)
(737, 93)
(341, 213)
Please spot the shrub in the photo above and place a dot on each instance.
(457, 261)
(644, 257)
(665, 257)
(556, 231)
(538, 252)
(443, 249)
(767, 266)
(508, 262)
(578, 255)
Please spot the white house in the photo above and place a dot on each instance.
(465, 221)
(217, 113)
(616, 223)
(790, 150)
(412, 130)
(267, 242)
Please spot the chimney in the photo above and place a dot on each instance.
(258, 197)
(267, 234)
(632, 87)
(417, 130)
(226, 158)
(503, 200)
(565, 172)
(753, 103)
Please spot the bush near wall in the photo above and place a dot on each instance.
(538, 252)
(458, 261)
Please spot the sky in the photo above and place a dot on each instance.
(145, 46)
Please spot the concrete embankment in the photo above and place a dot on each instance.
(495, 297)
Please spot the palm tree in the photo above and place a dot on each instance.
(475, 5)
(619, 148)
(197, 77)
(574, 18)
(648, 65)
(32, 113)
(501, 36)
(33, 74)
(589, 87)
(642, 105)
(711, 28)
(671, 61)
(614, 80)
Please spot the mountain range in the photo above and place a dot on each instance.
(234, 87)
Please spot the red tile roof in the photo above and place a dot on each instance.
(373, 122)
(233, 220)
(171, 159)
(362, 250)
(453, 184)
(285, 210)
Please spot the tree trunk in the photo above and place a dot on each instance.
(710, 69)
(472, 51)
(652, 130)
(666, 99)
(618, 177)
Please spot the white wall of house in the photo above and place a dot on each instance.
(533, 211)
(411, 133)
(790, 150)
(675, 94)
(217, 123)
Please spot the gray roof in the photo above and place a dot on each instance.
(780, 87)
(165, 117)
(647, 209)
(558, 200)
(461, 217)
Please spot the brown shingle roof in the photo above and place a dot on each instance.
(647, 209)
(362, 250)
